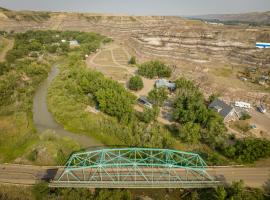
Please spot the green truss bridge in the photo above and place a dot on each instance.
(135, 168)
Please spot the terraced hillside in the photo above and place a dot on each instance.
(208, 53)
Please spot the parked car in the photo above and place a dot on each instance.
(261, 109)
(143, 101)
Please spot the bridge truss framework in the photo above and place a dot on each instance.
(135, 168)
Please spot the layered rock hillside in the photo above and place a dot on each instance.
(171, 37)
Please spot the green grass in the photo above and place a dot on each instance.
(223, 72)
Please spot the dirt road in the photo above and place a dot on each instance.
(8, 45)
(29, 175)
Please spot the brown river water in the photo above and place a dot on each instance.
(44, 120)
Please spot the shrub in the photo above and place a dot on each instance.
(245, 116)
(149, 115)
(135, 83)
(155, 68)
(190, 132)
(158, 96)
(40, 190)
(132, 60)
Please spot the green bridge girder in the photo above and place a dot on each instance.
(135, 168)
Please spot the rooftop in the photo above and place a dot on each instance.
(221, 107)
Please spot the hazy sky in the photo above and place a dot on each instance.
(142, 7)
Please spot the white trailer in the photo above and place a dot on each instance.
(242, 104)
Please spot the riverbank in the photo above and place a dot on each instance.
(43, 119)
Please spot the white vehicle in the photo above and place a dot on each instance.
(261, 109)
(242, 104)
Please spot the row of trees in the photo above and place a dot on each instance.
(236, 191)
(153, 69)
(248, 150)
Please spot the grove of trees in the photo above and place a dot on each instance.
(153, 69)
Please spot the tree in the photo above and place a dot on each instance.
(148, 114)
(41, 190)
(132, 60)
(135, 83)
(109, 194)
(154, 68)
(220, 193)
(213, 97)
(158, 96)
(115, 103)
(190, 132)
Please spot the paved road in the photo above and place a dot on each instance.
(29, 175)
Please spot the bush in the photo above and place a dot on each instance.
(190, 132)
(245, 116)
(249, 150)
(132, 60)
(135, 83)
(155, 68)
(40, 190)
(149, 115)
(158, 96)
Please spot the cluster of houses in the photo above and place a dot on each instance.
(228, 112)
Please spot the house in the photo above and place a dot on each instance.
(225, 110)
(165, 83)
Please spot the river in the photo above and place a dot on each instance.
(44, 120)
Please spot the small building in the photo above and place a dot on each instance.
(165, 83)
(262, 45)
(225, 110)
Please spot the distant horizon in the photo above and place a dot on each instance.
(142, 7)
(107, 13)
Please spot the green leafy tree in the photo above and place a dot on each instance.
(109, 194)
(190, 132)
(115, 103)
(149, 115)
(41, 190)
(135, 83)
(154, 68)
(220, 193)
(213, 97)
(158, 96)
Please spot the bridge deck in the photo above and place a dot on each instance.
(137, 184)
